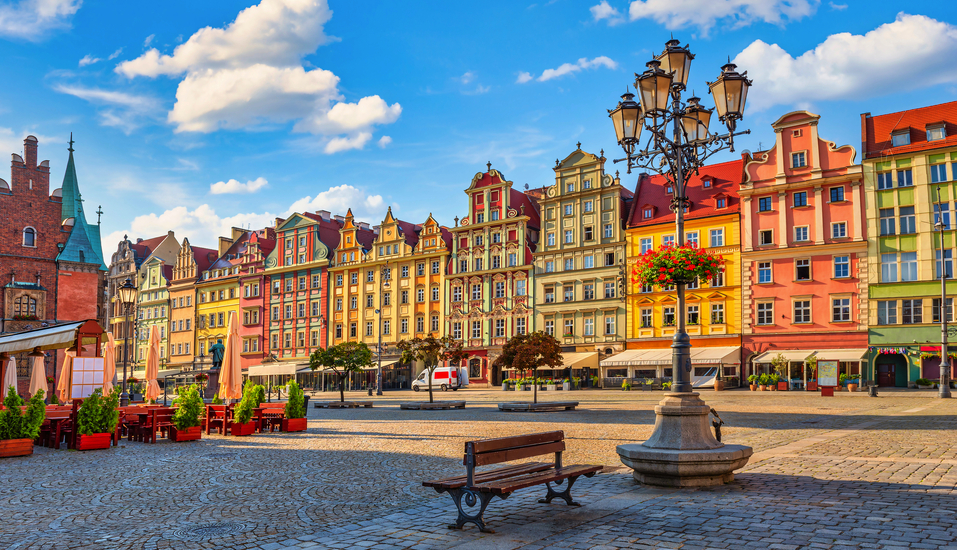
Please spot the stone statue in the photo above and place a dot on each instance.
(216, 351)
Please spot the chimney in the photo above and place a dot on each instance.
(324, 214)
(224, 244)
(363, 226)
(30, 152)
(340, 219)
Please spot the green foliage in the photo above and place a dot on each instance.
(774, 378)
(190, 408)
(625, 385)
(753, 378)
(342, 359)
(216, 399)
(919, 381)
(14, 424)
(53, 399)
(243, 413)
(850, 378)
(295, 407)
(99, 414)
(780, 364)
(764, 379)
(259, 394)
(666, 385)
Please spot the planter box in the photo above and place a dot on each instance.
(551, 387)
(762, 387)
(718, 385)
(783, 386)
(293, 424)
(15, 447)
(754, 387)
(812, 385)
(242, 429)
(189, 434)
(852, 387)
(930, 387)
(92, 442)
(567, 386)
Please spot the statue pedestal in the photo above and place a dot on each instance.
(682, 451)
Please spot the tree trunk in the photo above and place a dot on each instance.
(534, 386)
(342, 388)
(431, 399)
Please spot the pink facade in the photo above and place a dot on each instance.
(804, 253)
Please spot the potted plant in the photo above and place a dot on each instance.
(671, 264)
(216, 400)
(851, 380)
(753, 382)
(243, 414)
(763, 380)
(922, 383)
(773, 382)
(295, 420)
(96, 420)
(18, 430)
(781, 367)
(666, 386)
(134, 388)
(625, 385)
(550, 385)
(718, 384)
(566, 384)
(576, 382)
(186, 418)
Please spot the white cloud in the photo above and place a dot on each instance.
(568, 68)
(837, 7)
(88, 60)
(234, 187)
(478, 90)
(251, 73)
(203, 225)
(705, 14)
(384, 141)
(122, 110)
(469, 76)
(603, 10)
(848, 66)
(115, 54)
(33, 19)
(148, 41)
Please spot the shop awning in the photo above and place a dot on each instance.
(168, 372)
(730, 355)
(639, 357)
(856, 354)
(797, 355)
(56, 337)
(270, 369)
(580, 360)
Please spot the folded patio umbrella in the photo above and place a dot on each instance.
(109, 363)
(231, 374)
(66, 377)
(10, 376)
(38, 376)
(152, 365)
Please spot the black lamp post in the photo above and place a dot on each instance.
(127, 295)
(943, 390)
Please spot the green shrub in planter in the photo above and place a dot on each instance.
(923, 382)
(243, 413)
(295, 407)
(16, 425)
(98, 414)
(216, 399)
(189, 410)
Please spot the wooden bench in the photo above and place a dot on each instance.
(157, 419)
(437, 406)
(272, 416)
(480, 487)
(538, 407)
(343, 404)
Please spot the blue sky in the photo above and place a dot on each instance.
(195, 116)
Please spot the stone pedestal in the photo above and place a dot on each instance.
(682, 450)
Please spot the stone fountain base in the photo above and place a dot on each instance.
(682, 451)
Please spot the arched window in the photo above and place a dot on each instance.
(30, 237)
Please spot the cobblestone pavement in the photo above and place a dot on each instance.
(843, 472)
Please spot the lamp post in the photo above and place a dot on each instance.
(944, 386)
(383, 284)
(678, 144)
(127, 296)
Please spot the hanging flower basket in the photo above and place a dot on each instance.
(672, 264)
(202, 377)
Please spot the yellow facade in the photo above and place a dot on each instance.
(216, 296)
(718, 320)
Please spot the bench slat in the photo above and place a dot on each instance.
(496, 444)
(491, 475)
(515, 483)
(518, 453)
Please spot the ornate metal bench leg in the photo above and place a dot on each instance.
(566, 494)
(471, 498)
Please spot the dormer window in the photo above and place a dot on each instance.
(936, 132)
(900, 137)
(706, 184)
(669, 189)
(648, 213)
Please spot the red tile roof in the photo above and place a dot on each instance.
(876, 130)
(650, 192)
(204, 257)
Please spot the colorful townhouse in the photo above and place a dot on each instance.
(217, 294)
(491, 272)
(580, 263)
(909, 162)
(296, 292)
(712, 221)
(190, 263)
(153, 306)
(252, 252)
(804, 264)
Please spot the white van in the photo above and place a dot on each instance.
(443, 378)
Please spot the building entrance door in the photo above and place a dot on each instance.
(886, 375)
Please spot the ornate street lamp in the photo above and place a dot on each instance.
(127, 296)
(678, 144)
(943, 390)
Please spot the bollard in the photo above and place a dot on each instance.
(872, 391)
(370, 391)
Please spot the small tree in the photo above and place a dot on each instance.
(295, 407)
(781, 367)
(16, 425)
(432, 351)
(343, 359)
(531, 352)
(190, 408)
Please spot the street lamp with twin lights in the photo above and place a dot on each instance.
(127, 296)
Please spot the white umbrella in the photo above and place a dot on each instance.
(9, 376)
(66, 377)
(38, 374)
(230, 373)
(109, 363)
(152, 365)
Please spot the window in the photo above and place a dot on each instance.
(476, 329)
(765, 313)
(588, 291)
(717, 314)
(420, 295)
(717, 237)
(457, 294)
(302, 258)
(764, 272)
(798, 160)
(718, 279)
(706, 183)
(888, 225)
(568, 210)
(549, 295)
(387, 327)
(420, 269)
(435, 293)
(478, 264)
(647, 213)
(766, 237)
(644, 245)
(589, 327)
(569, 295)
(839, 230)
(275, 313)
(569, 187)
(908, 221)
(842, 267)
(938, 173)
(404, 297)
(500, 328)
(520, 288)
(435, 267)
(668, 316)
(888, 268)
(405, 271)
(30, 237)
(721, 203)
(609, 325)
(693, 315)
(369, 302)
(905, 178)
(691, 238)
(302, 309)
(588, 262)
(840, 310)
(338, 304)
(463, 266)
(668, 240)
(434, 323)
(551, 239)
(837, 194)
(589, 207)
(457, 331)
(900, 138)
(908, 266)
(354, 278)
(802, 311)
(512, 259)
(800, 199)
(288, 287)
(476, 292)
(885, 180)
(387, 299)
(942, 212)
(646, 317)
(568, 236)
(609, 290)
(800, 234)
(404, 326)
(764, 204)
(936, 133)
(912, 311)
(608, 231)
(339, 279)
(609, 259)
(802, 270)
(338, 333)
(887, 312)
(550, 328)
(549, 267)
(500, 289)
(569, 264)
(589, 233)
(948, 263)
(935, 310)
(494, 216)
(480, 218)
(496, 238)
